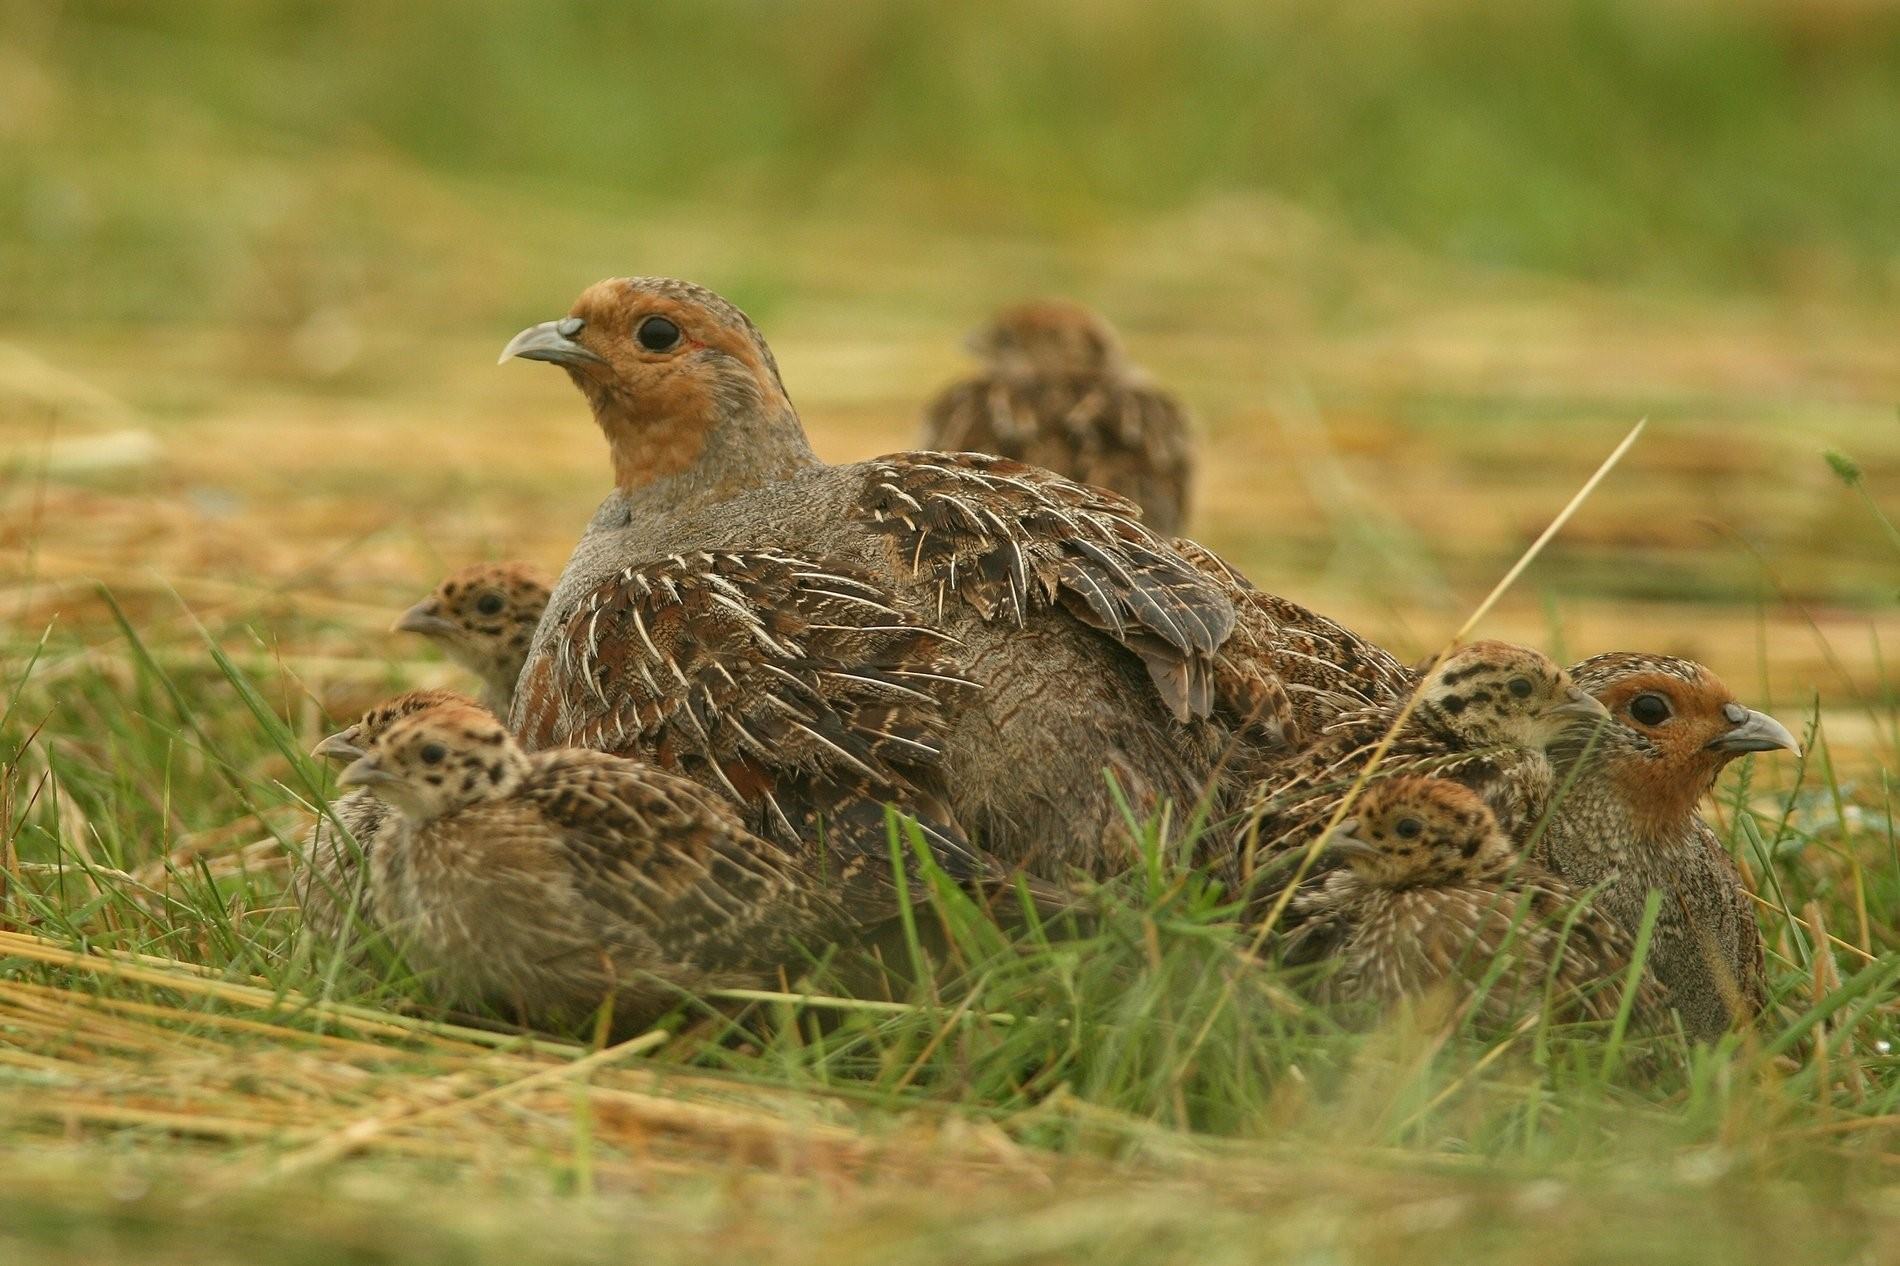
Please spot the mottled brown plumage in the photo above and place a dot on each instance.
(1057, 391)
(1628, 823)
(1313, 669)
(798, 690)
(548, 884)
(329, 883)
(483, 617)
(1429, 893)
(1088, 643)
(1485, 718)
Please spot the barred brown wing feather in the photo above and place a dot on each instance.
(1100, 429)
(663, 855)
(1008, 539)
(795, 688)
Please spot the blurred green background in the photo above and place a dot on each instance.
(154, 157)
(1417, 266)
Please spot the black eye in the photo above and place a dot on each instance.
(1520, 686)
(489, 604)
(1650, 709)
(432, 753)
(657, 334)
(1408, 828)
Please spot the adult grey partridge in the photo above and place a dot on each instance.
(1056, 390)
(483, 617)
(329, 884)
(550, 884)
(1627, 822)
(979, 641)
(1430, 893)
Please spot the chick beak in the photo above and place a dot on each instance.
(365, 773)
(551, 341)
(424, 618)
(1345, 844)
(1581, 706)
(1757, 732)
(338, 747)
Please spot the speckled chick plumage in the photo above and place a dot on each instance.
(1629, 823)
(545, 884)
(330, 881)
(1056, 390)
(979, 639)
(1485, 717)
(483, 617)
(1431, 894)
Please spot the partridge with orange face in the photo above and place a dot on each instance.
(550, 884)
(1056, 390)
(483, 617)
(1628, 823)
(329, 886)
(1430, 894)
(973, 639)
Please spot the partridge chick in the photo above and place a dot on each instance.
(1056, 390)
(1628, 822)
(328, 888)
(1485, 717)
(483, 617)
(1051, 640)
(552, 883)
(1431, 893)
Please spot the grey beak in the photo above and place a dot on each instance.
(1758, 732)
(338, 748)
(422, 618)
(1345, 843)
(550, 341)
(365, 773)
(1582, 707)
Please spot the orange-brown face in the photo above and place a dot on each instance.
(1686, 726)
(661, 362)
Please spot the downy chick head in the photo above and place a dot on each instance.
(483, 617)
(1502, 694)
(1417, 831)
(439, 760)
(663, 363)
(1678, 726)
(352, 742)
(1048, 336)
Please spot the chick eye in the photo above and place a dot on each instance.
(1650, 709)
(432, 753)
(1408, 828)
(657, 334)
(489, 604)
(1520, 686)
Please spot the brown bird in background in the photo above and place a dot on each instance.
(1430, 893)
(1060, 641)
(329, 885)
(550, 884)
(1057, 390)
(483, 617)
(1628, 823)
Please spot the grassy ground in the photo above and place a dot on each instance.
(253, 275)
